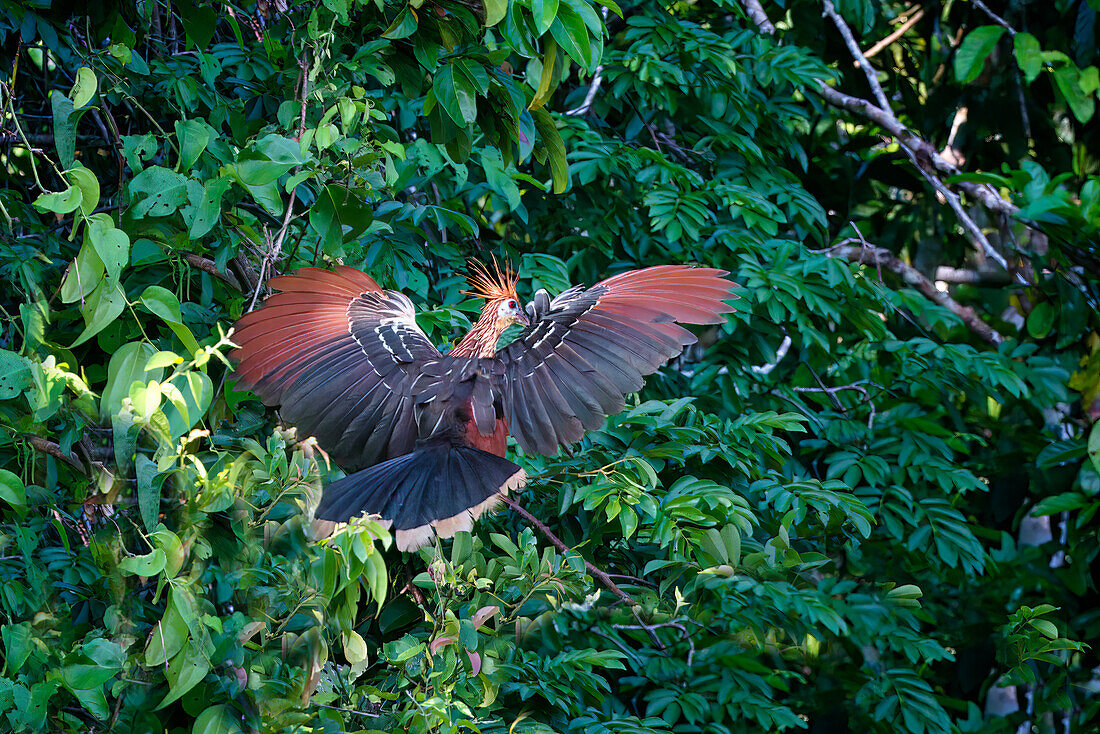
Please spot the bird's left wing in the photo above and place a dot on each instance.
(340, 355)
(585, 350)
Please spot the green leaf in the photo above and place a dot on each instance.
(193, 136)
(157, 192)
(207, 210)
(1094, 445)
(12, 490)
(84, 88)
(456, 95)
(975, 48)
(544, 12)
(555, 149)
(60, 202)
(162, 302)
(85, 180)
(495, 11)
(65, 118)
(217, 719)
(548, 78)
(101, 308)
(127, 365)
(15, 375)
(149, 564)
(572, 34)
(1068, 81)
(403, 26)
(111, 244)
(168, 638)
(1041, 320)
(1028, 55)
(148, 491)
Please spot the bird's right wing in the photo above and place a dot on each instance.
(586, 349)
(340, 355)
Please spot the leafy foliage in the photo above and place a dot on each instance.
(844, 510)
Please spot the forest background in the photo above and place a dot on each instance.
(866, 503)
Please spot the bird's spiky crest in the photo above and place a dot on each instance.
(494, 285)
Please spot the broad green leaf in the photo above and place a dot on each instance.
(217, 719)
(544, 12)
(84, 88)
(12, 489)
(555, 149)
(59, 202)
(455, 94)
(85, 180)
(157, 192)
(102, 307)
(403, 26)
(15, 374)
(1068, 81)
(193, 137)
(1028, 55)
(975, 48)
(127, 366)
(149, 564)
(168, 638)
(495, 11)
(1041, 320)
(110, 243)
(162, 302)
(207, 211)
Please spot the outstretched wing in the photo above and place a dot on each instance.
(587, 349)
(339, 354)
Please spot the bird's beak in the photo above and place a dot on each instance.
(522, 320)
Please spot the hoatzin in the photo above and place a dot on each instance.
(425, 432)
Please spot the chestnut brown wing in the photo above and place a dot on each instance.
(587, 349)
(339, 355)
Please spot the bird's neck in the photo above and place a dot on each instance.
(481, 339)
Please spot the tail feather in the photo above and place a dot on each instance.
(437, 489)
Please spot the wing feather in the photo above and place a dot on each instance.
(585, 350)
(340, 355)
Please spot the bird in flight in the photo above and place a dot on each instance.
(423, 434)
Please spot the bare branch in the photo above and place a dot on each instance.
(994, 17)
(597, 80)
(758, 16)
(857, 56)
(208, 266)
(948, 274)
(866, 254)
(925, 157)
(895, 35)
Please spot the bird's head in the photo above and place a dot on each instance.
(498, 288)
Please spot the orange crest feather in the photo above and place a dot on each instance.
(495, 285)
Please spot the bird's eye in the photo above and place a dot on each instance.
(511, 304)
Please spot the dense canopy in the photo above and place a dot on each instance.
(867, 500)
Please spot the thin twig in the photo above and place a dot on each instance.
(994, 17)
(895, 35)
(684, 634)
(871, 255)
(596, 573)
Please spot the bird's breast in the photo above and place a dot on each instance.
(495, 443)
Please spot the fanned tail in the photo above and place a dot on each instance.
(440, 488)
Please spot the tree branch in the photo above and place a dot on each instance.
(866, 254)
(895, 35)
(758, 16)
(206, 265)
(926, 157)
